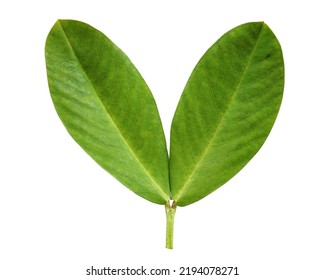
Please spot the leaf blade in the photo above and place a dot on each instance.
(107, 107)
(214, 131)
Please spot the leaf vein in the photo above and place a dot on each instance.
(155, 184)
(218, 125)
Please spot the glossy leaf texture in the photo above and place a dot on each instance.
(226, 111)
(107, 107)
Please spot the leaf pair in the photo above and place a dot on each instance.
(225, 113)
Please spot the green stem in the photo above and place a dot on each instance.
(170, 208)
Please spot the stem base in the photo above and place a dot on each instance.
(170, 208)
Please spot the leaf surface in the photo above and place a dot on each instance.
(107, 107)
(226, 111)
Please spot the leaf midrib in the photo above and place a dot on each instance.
(155, 184)
(206, 150)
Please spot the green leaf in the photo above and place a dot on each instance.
(107, 107)
(226, 111)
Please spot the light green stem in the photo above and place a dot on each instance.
(170, 208)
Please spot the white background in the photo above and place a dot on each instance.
(60, 213)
